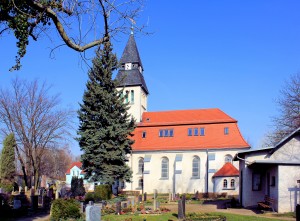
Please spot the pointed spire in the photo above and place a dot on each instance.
(131, 53)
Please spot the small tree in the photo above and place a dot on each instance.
(77, 188)
(105, 126)
(8, 167)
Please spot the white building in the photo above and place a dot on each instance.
(274, 172)
(177, 151)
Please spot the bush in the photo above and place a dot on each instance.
(7, 187)
(63, 209)
(103, 192)
(89, 197)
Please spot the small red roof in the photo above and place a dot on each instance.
(227, 170)
(146, 134)
(77, 164)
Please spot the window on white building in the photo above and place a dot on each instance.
(132, 96)
(228, 158)
(196, 167)
(141, 166)
(232, 183)
(225, 184)
(165, 168)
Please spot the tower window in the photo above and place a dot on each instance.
(228, 158)
(132, 96)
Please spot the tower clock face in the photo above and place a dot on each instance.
(128, 66)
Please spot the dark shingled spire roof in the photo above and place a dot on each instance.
(132, 77)
(131, 53)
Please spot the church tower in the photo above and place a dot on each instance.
(131, 80)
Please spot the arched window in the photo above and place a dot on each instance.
(232, 183)
(196, 167)
(225, 184)
(228, 158)
(141, 166)
(165, 168)
(141, 183)
(126, 96)
(132, 96)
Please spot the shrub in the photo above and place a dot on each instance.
(103, 192)
(89, 197)
(63, 209)
(77, 188)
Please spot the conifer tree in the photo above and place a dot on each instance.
(105, 126)
(8, 167)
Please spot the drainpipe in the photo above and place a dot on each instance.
(207, 165)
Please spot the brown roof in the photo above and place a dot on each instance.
(212, 120)
(227, 170)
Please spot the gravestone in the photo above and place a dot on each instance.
(17, 204)
(180, 210)
(145, 196)
(140, 198)
(82, 207)
(34, 202)
(155, 200)
(196, 195)
(124, 204)
(93, 213)
(183, 199)
(131, 200)
(118, 208)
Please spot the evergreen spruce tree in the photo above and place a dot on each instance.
(8, 167)
(105, 126)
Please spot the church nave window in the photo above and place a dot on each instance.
(165, 168)
(132, 96)
(166, 133)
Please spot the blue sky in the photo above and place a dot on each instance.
(233, 55)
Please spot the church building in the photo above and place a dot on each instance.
(177, 151)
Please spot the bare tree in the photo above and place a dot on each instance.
(55, 162)
(288, 103)
(28, 111)
(80, 24)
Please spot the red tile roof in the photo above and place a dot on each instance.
(227, 170)
(213, 120)
(77, 164)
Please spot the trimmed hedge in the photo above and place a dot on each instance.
(103, 192)
(65, 208)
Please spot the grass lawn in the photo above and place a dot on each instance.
(172, 216)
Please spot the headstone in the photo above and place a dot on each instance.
(124, 204)
(82, 207)
(20, 189)
(140, 198)
(170, 197)
(180, 210)
(131, 200)
(26, 189)
(196, 195)
(155, 199)
(183, 198)
(50, 193)
(118, 208)
(17, 204)
(34, 202)
(56, 194)
(93, 213)
(145, 196)
(32, 191)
